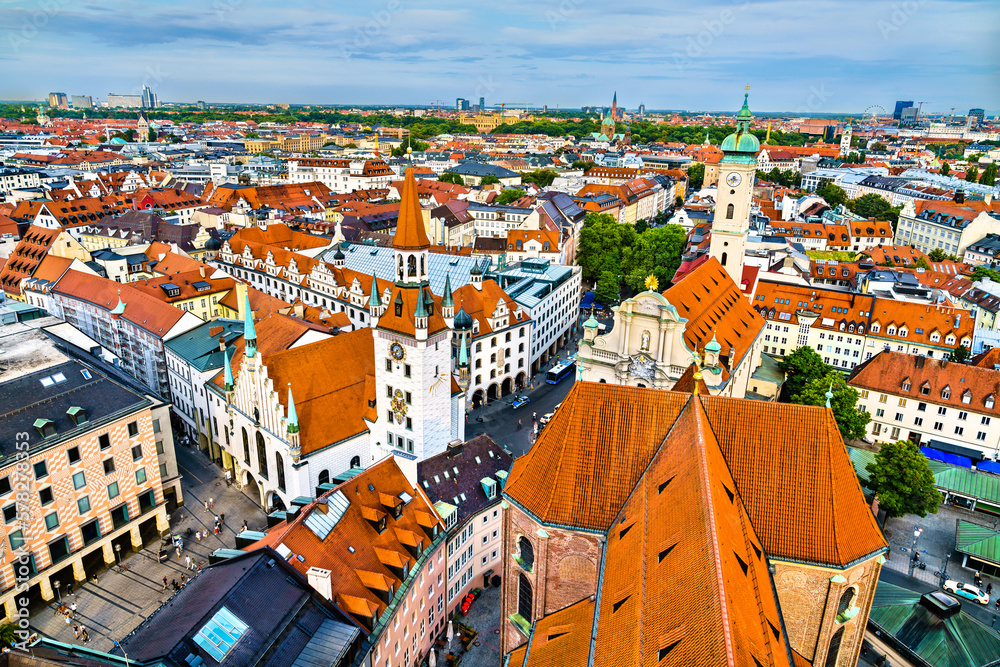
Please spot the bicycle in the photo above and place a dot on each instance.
(124, 567)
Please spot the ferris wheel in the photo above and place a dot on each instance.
(872, 114)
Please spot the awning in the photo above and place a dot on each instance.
(970, 452)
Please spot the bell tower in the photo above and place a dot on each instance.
(737, 171)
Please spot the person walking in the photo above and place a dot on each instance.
(197, 534)
(211, 502)
(164, 583)
(187, 562)
(989, 588)
(206, 505)
(222, 519)
(76, 631)
(245, 526)
(72, 610)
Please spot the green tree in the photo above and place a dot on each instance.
(851, 421)
(800, 368)
(983, 271)
(657, 252)
(417, 146)
(989, 176)
(541, 177)
(8, 634)
(922, 263)
(601, 245)
(607, 290)
(696, 175)
(509, 195)
(582, 164)
(251, 135)
(488, 179)
(972, 174)
(902, 480)
(834, 195)
(960, 355)
(451, 177)
(937, 255)
(869, 206)
(641, 226)
(945, 169)
(678, 201)
(879, 147)
(151, 135)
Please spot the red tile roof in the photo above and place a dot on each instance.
(410, 232)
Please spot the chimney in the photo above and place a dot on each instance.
(222, 344)
(319, 579)
(201, 270)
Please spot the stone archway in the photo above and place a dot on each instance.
(507, 387)
(251, 488)
(493, 392)
(522, 380)
(477, 398)
(274, 502)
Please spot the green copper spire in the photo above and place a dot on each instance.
(293, 419)
(374, 301)
(742, 141)
(249, 332)
(829, 395)
(446, 300)
(463, 353)
(421, 310)
(120, 308)
(229, 370)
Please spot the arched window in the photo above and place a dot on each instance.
(411, 266)
(845, 601)
(324, 477)
(730, 210)
(280, 465)
(356, 462)
(725, 257)
(834, 652)
(261, 455)
(524, 601)
(526, 555)
(399, 271)
(246, 447)
(422, 269)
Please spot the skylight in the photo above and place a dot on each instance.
(220, 634)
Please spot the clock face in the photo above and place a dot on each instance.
(733, 179)
(397, 351)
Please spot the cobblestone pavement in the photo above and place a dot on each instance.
(120, 601)
(484, 616)
(936, 540)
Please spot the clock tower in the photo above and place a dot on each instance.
(732, 209)
(412, 349)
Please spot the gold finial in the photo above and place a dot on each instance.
(652, 283)
(696, 360)
(748, 87)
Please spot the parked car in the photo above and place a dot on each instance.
(546, 418)
(519, 401)
(967, 591)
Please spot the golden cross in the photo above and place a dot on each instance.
(748, 87)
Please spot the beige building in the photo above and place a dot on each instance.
(947, 225)
(656, 336)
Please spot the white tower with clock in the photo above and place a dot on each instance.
(417, 416)
(732, 209)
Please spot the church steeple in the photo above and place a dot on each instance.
(410, 242)
(249, 332)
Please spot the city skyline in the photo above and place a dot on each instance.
(577, 52)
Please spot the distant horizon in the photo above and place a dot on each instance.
(552, 109)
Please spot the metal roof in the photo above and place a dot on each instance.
(979, 541)
(328, 645)
(967, 483)
(378, 261)
(320, 522)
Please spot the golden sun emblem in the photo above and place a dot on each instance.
(652, 283)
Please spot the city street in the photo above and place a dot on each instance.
(119, 601)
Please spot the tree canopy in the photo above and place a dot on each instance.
(696, 176)
(509, 195)
(832, 194)
(541, 177)
(960, 354)
(851, 421)
(451, 177)
(800, 368)
(902, 480)
(488, 179)
(609, 247)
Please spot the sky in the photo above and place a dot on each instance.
(819, 56)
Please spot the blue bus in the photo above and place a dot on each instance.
(560, 371)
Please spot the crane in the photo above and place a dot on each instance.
(526, 105)
(920, 105)
(438, 103)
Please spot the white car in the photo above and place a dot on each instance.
(967, 591)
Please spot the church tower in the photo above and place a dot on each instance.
(845, 141)
(732, 208)
(412, 347)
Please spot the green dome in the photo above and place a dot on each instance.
(741, 141)
(591, 323)
(713, 345)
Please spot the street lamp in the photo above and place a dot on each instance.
(58, 596)
(118, 555)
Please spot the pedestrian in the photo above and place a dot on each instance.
(206, 505)
(187, 562)
(989, 588)
(72, 609)
(178, 550)
(67, 620)
(94, 578)
(245, 526)
(222, 519)
(164, 583)
(211, 502)
(76, 631)
(518, 424)
(998, 604)
(69, 588)
(183, 579)
(216, 529)
(198, 535)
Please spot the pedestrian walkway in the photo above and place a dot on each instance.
(119, 601)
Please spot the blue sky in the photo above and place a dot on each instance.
(823, 56)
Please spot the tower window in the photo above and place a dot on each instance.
(725, 258)
(730, 211)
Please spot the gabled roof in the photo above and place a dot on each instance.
(27, 255)
(410, 233)
(142, 310)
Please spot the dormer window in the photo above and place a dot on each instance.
(906, 385)
(950, 340)
(967, 396)
(946, 393)
(990, 402)
(935, 337)
(925, 388)
(903, 332)
(891, 331)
